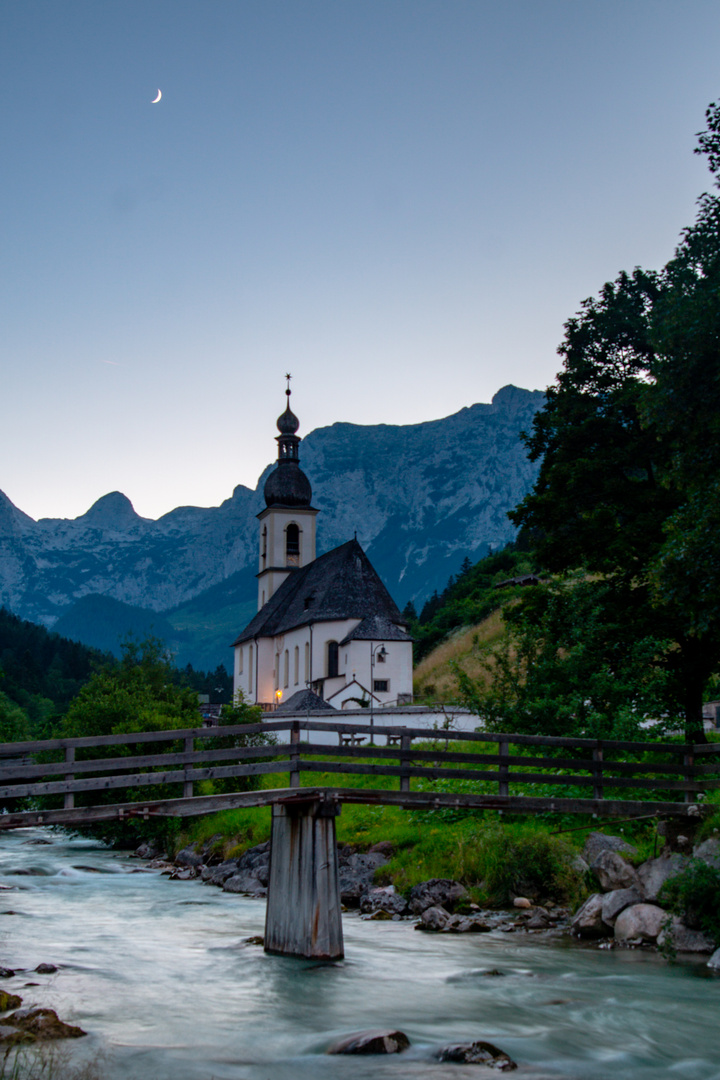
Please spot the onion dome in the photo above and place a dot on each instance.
(287, 484)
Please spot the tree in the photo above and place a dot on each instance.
(629, 485)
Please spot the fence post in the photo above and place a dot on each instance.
(503, 769)
(188, 784)
(69, 801)
(295, 755)
(689, 761)
(597, 772)
(405, 744)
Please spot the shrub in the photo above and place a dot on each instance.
(694, 895)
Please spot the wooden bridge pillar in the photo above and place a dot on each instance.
(303, 906)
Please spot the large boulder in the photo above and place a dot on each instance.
(613, 872)
(356, 872)
(655, 872)
(218, 875)
(597, 842)
(383, 899)
(616, 901)
(588, 921)
(681, 938)
(436, 892)
(477, 1053)
(371, 1042)
(639, 923)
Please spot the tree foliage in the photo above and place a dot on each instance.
(629, 483)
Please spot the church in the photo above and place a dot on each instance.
(327, 632)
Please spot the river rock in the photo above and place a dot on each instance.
(655, 872)
(246, 883)
(6, 973)
(714, 961)
(613, 872)
(616, 901)
(218, 875)
(45, 969)
(436, 892)
(597, 842)
(682, 939)
(355, 874)
(147, 850)
(383, 899)
(371, 1042)
(709, 852)
(539, 920)
(588, 921)
(433, 919)
(463, 924)
(639, 923)
(189, 856)
(43, 1024)
(477, 1053)
(9, 1001)
(522, 902)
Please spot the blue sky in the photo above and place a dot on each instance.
(399, 202)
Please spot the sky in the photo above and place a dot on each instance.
(400, 202)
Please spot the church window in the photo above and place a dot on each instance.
(286, 680)
(297, 664)
(381, 686)
(240, 660)
(264, 546)
(276, 672)
(292, 545)
(333, 659)
(307, 661)
(250, 669)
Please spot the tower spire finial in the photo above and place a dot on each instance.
(288, 376)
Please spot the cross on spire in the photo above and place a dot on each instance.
(288, 376)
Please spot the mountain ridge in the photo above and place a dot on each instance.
(420, 497)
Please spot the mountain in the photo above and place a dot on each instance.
(420, 497)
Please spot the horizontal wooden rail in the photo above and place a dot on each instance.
(203, 754)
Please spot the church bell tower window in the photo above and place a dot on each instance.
(292, 545)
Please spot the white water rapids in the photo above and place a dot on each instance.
(157, 973)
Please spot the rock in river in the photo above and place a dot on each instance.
(478, 1053)
(371, 1042)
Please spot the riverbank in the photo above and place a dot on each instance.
(663, 891)
(163, 977)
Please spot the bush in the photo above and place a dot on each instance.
(694, 895)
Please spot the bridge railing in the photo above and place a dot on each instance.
(56, 771)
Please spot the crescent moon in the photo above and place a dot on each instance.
(155, 100)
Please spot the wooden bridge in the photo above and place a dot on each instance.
(416, 768)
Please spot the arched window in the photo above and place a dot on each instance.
(292, 545)
(240, 660)
(250, 669)
(333, 659)
(297, 664)
(276, 672)
(286, 680)
(307, 661)
(263, 547)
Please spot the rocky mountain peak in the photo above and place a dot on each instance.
(113, 511)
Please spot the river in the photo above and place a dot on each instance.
(158, 974)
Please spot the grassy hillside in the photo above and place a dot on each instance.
(434, 679)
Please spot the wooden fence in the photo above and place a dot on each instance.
(415, 766)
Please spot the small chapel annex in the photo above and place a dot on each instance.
(326, 627)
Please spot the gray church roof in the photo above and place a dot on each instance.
(304, 701)
(377, 628)
(342, 584)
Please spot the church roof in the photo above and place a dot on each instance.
(377, 628)
(302, 700)
(342, 584)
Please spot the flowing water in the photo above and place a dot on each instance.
(159, 975)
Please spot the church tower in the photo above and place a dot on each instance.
(287, 524)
